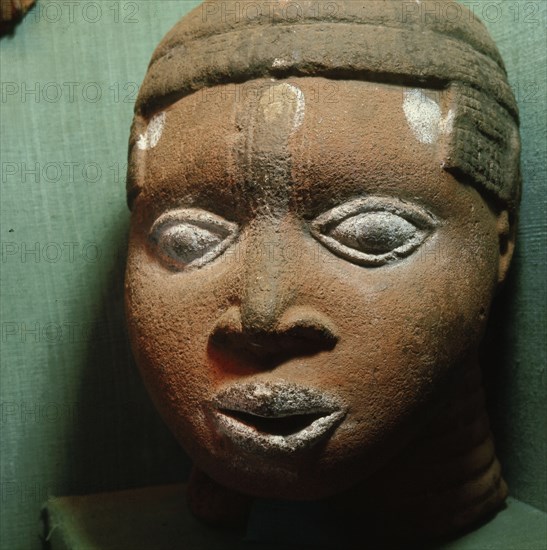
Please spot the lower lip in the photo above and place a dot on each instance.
(252, 439)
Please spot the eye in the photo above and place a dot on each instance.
(373, 231)
(190, 238)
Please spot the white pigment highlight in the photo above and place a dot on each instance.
(153, 133)
(300, 106)
(275, 401)
(447, 123)
(423, 115)
(281, 103)
(249, 438)
(279, 62)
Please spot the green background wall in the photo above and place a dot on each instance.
(74, 415)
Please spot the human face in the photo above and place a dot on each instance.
(304, 279)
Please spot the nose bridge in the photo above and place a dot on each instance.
(268, 286)
(269, 278)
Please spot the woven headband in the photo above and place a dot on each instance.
(387, 41)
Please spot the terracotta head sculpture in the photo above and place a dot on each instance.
(323, 201)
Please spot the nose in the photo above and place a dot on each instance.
(299, 331)
(267, 280)
(270, 321)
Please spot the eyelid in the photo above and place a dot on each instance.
(423, 221)
(226, 230)
(197, 216)
(420, 217)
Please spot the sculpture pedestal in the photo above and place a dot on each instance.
(157, 518)
(153, 518)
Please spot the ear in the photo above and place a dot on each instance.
(506, 228)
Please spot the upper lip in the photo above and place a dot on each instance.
(276, 417)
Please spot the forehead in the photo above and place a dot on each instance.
(300, 138)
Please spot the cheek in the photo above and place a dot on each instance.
(169, 323)
(408, 326)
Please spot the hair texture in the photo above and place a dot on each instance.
(438, 45)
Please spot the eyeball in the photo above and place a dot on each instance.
(373, 231)
(190, 238)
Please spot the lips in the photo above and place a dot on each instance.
(275, 418)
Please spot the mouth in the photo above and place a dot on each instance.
(275, 418)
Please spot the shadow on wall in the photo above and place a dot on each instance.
(119, 439)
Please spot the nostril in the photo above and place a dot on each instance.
(313, 335)
(295, 335)
(309, 326)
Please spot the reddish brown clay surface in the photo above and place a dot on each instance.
(313, 255)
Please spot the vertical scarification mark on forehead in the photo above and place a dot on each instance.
(277, 110)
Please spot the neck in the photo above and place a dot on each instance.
(448, 478)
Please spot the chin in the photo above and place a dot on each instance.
(312, 475)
